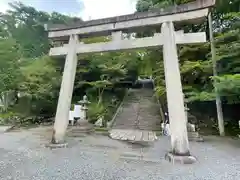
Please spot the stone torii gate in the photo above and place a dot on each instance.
(193, 12)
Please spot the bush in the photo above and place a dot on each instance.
(9, 118)
(96, 111)
(106, 109)
(16, 119)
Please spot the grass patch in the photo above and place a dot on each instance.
(101, 129)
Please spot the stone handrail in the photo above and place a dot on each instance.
(117, 111)
(159, 104)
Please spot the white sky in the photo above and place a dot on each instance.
(3, 5)
(93, 9)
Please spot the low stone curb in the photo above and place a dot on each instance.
(4, 129)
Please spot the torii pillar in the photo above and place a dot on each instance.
(178, 122)
(65, 95)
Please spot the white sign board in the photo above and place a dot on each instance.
(78, 112)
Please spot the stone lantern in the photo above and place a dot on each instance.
(82, 124)
(84, 103)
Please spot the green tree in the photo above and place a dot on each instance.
(41, 83)
(9, 64)
(26, 25)
(9, 72)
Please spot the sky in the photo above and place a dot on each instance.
(86, 9)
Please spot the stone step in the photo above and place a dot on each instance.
(138, 117)
(133, 135)
(123, 126)
(138, 128)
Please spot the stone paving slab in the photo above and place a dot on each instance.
(24, 157)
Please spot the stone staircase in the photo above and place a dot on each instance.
(138, 117)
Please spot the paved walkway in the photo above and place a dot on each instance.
(138, 117)
(24, 157)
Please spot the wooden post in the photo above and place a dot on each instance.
(218, 99)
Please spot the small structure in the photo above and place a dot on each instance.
(193, 135)
(166, 129)
(99, 122)
(71, 117)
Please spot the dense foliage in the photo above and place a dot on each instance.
(30, 80)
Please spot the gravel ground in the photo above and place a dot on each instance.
(23, 156)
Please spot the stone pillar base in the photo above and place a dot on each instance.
(55, 146)
(194, 136)
(82, 128)
(180, 159)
